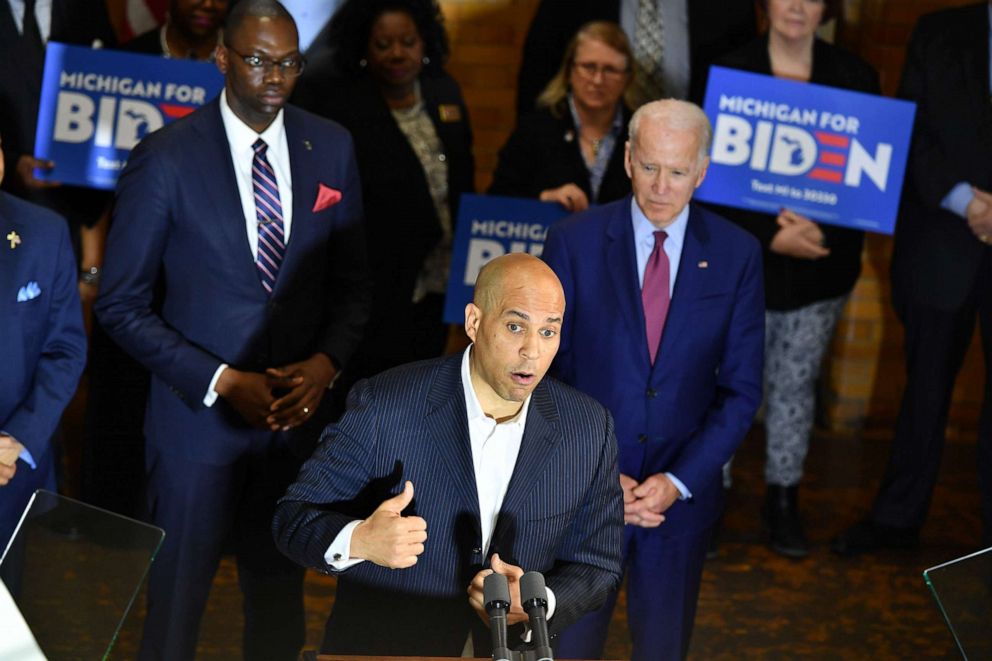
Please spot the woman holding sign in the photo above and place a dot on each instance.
(810, 269)
(385, 82)
(571, 150)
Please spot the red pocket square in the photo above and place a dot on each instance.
(326, 197)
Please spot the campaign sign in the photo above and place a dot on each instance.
(96, 105)
(833, 155)
(490, 226)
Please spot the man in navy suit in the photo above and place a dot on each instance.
(512, 471)
(666, 329)
(44, 347)
(248, 213)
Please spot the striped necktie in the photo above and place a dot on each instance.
(654, 294)
(268, 212)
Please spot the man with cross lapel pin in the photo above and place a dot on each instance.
(665, 327)
(248, 214)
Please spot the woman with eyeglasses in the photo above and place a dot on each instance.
(570, 150)
(385, 82)
(810, 268)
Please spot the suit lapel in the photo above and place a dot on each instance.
(687, 283)
(622, 266)
(446, 421)
(217, 175)
(12, 259)
(541, 436)
(303, 168)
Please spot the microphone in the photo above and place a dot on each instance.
(496, 596)
(534, 595)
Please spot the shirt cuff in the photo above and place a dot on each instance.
(24, 454)
(338, 554)
(684, 493)
(958, 199)
(212, 395)
(552, 604)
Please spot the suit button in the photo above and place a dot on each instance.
(642, 438)
(651, 393)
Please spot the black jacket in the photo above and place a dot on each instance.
(936, 258)
(792, 283)
(543, 152)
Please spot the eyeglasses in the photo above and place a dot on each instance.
(289, 67)
(590, 69)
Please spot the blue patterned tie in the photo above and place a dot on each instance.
(268, 211)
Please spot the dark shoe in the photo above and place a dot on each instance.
(781, 517)
(866, 536)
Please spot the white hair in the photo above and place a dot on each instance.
(677, 115)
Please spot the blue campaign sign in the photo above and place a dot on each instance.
(836, 156)
(97, 104)
(489, 226)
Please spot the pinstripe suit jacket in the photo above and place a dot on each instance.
(562, 514)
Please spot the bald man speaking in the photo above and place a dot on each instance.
(443, 471)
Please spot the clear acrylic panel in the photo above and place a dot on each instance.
(963, 590)
(74, 571)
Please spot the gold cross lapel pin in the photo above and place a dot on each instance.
(14, 238)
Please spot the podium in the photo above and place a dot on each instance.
(74, 571)
(963, 590)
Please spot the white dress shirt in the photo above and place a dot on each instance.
(42, 16)
(495, 447)
(240, 138)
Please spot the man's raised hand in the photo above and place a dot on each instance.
(388, 538)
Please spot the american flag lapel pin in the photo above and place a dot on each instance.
(703, 264)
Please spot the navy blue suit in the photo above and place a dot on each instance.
(686, 414)
(178, 220)
(562, 514)
(44, 344)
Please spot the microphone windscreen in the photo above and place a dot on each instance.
(532, 587)
(495, 588)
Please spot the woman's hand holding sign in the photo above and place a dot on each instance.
(798, 236)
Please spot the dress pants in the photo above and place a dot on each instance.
(663, 578)
(206, 510)
(936, 343)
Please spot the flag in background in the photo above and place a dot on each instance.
(133, 17)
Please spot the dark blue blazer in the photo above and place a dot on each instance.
(687, 413)
(178, 220)
(562, 514)
(44, 344)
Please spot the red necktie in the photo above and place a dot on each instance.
(654, 294)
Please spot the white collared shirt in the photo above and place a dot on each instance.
(240, 138)
(42, 16)
(494, 454)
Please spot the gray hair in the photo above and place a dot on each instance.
(677, 115)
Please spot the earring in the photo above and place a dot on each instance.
(363, 63)
(426, 60)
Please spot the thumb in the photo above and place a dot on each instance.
(398, 503)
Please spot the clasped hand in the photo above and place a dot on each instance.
(476, 598)
(798, 237)
(644, 504)
(300, 387)
(10, 450)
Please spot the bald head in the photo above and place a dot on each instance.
(515, 322)
(515, 270)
